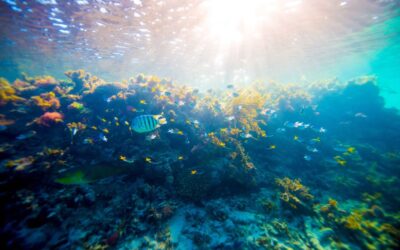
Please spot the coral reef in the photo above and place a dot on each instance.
(223, 172)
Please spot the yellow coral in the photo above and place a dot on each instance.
(8, 93)
(294, 193)
(245, 107)
(46, 101)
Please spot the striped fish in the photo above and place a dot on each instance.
(147, 123)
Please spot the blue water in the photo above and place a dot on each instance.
(199, 124)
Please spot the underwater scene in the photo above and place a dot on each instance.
(200, 124)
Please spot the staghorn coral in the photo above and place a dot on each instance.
(84, 82)
(293, 192)
(244, 158)
(8, 93)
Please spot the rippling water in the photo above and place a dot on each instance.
(204, 43)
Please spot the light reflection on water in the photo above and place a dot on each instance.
(204, 43)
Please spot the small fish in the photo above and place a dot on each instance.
(106, 131)
(123, 158)
(322, 130)
(181, 103)
(126, 123)
(27, 135)
(143, 102)
(235, 94)
(148, 159)
(307, 157)
(151, 137)
(296, 138)
(180, 158)
(193, 172)
(272, 147)
(246, 136)
(312, 149)
(74, 131)
(88, 141)
(147, 123)
(339, 160)
(360, 115)
(180, 132)
(229, 86)
(340, 148)
(280, 130)
(103, 137)
(94, 127)
(351, 150)
(171, 131)
(109, 99)
(230, 118)
(317, 139)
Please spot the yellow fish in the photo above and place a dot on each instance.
(126, 123)
(122, 158)
(106, 131)
(148, 159)
(342, 162)
(94, 127)
(351, 150)
(193, 172)
(180, 132)
(180, 158)
(272, 147)
(295, 138)
(103, 120)
(316, 139)
(117, 124)
(143, 102)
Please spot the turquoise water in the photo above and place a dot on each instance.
(220, 124)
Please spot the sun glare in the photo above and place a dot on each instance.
(229, 21)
